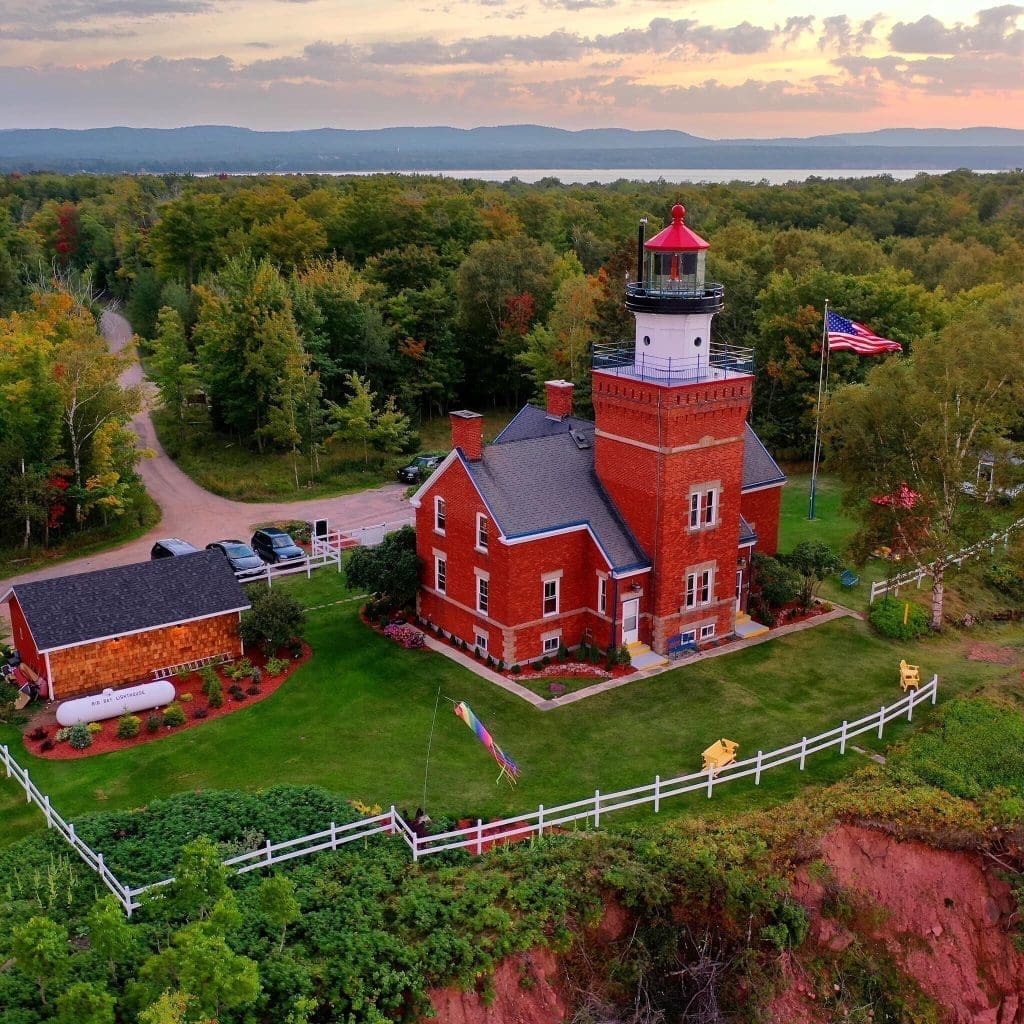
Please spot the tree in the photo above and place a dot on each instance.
(361, 421)
(920, 424)
(110, 934)
(40, 948)
(274, 619)
(279, 905)
(85, 1002)
(170, 1007)
(814, 561)
(776, 581)
(171, 365)
(200, 880)
(390, 570)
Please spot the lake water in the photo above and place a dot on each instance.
(604, 176)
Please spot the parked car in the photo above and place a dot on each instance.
(274, 545)
(243, 559)
(419, 469)
(171, 546)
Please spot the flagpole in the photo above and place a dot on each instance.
(817, 413)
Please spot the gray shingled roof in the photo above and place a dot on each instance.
(532, 421)
(547, 483)
(128, 598)
(748, 535)
(759, 468)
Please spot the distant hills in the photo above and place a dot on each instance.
(219, 148)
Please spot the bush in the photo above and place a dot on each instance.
(47, 745)
(238, 694)
(128, 727)
(215, 696)
(274, 618)
(95, 727)
(516, 669)
(240, 669)
(182, 673)
(152, 722)
(253, 690)
(256, 675)
(275, 666)
(887, 617)
(814, 560)
(37, 734)
(563, 653)
(62, 734)
(778, 584)
(80, 738)
(203, 712)
(623, 657)
(1006, 578)
(185, 698)
(174, 715)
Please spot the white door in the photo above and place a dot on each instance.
(739, 590)
(631, 620)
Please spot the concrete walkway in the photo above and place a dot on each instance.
(196, 515)
(543, 704)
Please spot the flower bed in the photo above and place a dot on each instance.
(191, 702)
(408, 636)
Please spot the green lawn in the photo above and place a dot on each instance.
(231, 469)
(357, 718)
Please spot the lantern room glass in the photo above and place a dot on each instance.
(675, 273)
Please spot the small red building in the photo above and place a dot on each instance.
(84, 632)
(636, 528)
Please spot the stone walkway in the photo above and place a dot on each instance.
(543, 704)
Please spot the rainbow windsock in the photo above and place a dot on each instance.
(508, 767)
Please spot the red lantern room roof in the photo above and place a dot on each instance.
(677, 237)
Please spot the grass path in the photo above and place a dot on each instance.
(356, 719)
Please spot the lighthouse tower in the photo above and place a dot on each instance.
(670, 414)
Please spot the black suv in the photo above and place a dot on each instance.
(274, 545)
(419, 469)
(171, 546)
(244, 561)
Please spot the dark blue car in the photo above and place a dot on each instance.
(274, 545)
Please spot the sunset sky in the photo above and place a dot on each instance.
(722, 69)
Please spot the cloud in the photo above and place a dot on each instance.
(961, 75)
(839, 33)
(74, 19)
(995, 31)
(576, 5)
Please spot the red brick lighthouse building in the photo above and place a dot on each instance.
(636, 528)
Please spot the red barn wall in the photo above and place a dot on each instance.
(91, 667)
(762, 510)
(22, 637)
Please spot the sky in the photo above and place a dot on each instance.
(716, 68)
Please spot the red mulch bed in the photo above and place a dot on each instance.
(106, 740)
(790, 613)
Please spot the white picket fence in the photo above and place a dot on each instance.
(481, 836)
(988, 544)
(66, 828)
(324, 551)
(371, 536)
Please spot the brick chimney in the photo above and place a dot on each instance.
(559, 398)
(468, 433)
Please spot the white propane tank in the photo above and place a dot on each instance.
(113, 703)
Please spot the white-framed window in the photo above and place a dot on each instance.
(439, 514)
(707, 632)
(698, 588)
(480, 641)
(689, 637)
(550, 605)
(704, 507)
(441, 573)
(552, 643)
(481, 532)
(602, 594)
(483, 593)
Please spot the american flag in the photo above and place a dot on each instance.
(848, 336)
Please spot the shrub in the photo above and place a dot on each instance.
(95, 727)
(256, 675)
(215, 695)
(622, 657)
(1006, 578)
(516, 669)
(563, 653)
(274, 618)
(814, 560)
(777, 583)
(37, 734)
(240, 669)
(80, 738)
(501, 665)
(128, 726)
(545, 661)
(490, 661)
(185, 698)
(152, 722)
(253, 690)
(887, 617)
(275, 666)
(408, 636)
(174, 715)
(238, 694)
(62, 734)
(202, 712)
(210, 679)
(181, 673)
(47, 745)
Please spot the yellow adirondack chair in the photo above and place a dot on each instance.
(718, 755)
(910, 675)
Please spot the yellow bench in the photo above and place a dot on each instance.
(910, 675)
(718, 755)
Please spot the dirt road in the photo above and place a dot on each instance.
(197, 515)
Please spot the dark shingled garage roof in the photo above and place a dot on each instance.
(547, 483)
(88, 606)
